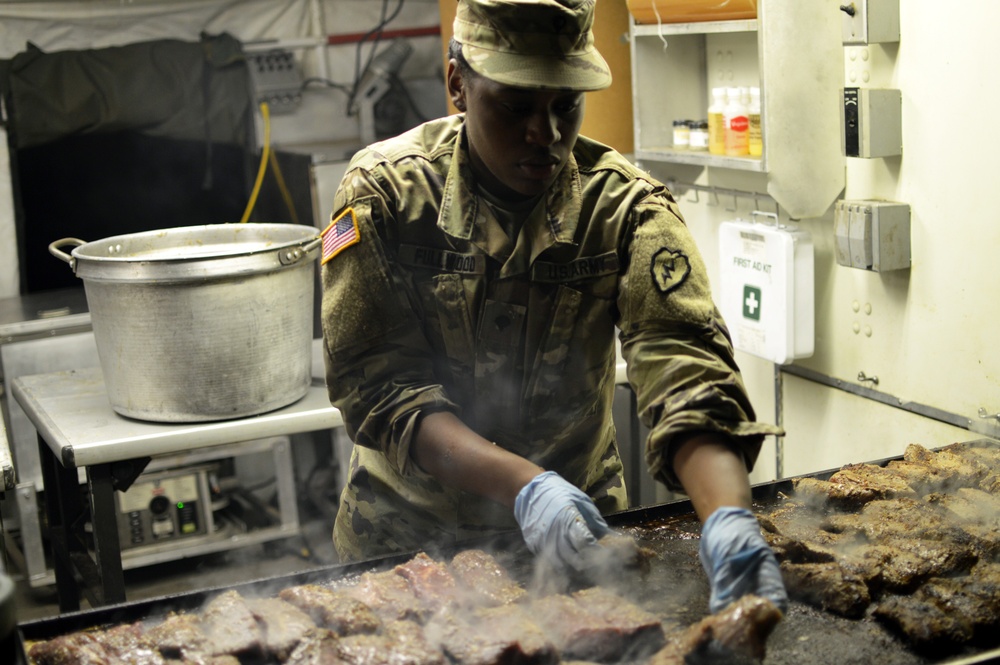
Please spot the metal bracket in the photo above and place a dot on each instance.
(983, 413)
(124, 473)
(864, 378)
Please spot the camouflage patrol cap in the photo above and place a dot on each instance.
(532, 43)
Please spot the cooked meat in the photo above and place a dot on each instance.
(120, 644)
(923, 621)
(817, 492)
(977, 513)
(390, 596)
(921, 477)
(959, 470)
(400, 643)
(827, 586)
(282, 625)
(736, 634)
(598, 625)
(485, 579)
(914, 560)
(230, 626)
(337, 610)
(883, 482)
(982, 452)
(799, 522)
(501, 635)
(898, 518)
(179, 635)
(318, 648)
(430, 580)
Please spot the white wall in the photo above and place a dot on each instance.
(57, 26)
(934, 328)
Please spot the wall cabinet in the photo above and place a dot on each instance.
(792, 51)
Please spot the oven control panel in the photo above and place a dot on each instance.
(164, 506)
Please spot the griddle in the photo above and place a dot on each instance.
(675, 588)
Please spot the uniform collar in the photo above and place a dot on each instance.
(461, 207)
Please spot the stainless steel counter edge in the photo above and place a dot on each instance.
(82, 429)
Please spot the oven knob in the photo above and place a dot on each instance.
(159, 505)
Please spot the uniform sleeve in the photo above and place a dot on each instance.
(675, 343)
(379, 372)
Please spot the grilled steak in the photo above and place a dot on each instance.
(500, 635)
(960, 469)
(598, 625)
(736, 634)
(230, 626)
(318, 648)
(485, 579)
(827, 586)
(179, 635)
(400, 643)
(336, 610)
(430, 580)
(282, 625)
(98, 647)
(390, 596)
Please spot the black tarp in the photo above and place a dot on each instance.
(124, 139)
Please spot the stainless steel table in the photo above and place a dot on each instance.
(77, 428)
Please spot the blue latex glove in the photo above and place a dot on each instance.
(558, 521)
(738, 560)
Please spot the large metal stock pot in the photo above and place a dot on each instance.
(202, 322)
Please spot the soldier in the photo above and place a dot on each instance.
(475, 275)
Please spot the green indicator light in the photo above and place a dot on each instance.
(180, 505)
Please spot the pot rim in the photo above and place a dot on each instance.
(210, 251)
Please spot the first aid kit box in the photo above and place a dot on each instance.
(766, 289)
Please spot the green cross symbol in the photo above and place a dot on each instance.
(751, 302)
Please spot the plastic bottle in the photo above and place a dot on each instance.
(755, 141)
(734, 118)
(716, 123)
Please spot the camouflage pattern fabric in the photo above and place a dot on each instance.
(435, 308)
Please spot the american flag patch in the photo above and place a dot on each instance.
(341, 233)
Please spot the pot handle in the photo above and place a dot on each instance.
(295, 254)
(56, 252)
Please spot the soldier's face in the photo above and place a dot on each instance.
(519, 139)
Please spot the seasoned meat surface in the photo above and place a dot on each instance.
(827, 586)
(482, 576)
(598, 625)
(336, 610)
(390, 596)
(282, 625)
(736, 634)
(430, 580)
(230, 626)
(499, 635)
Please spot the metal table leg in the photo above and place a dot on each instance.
(62, 508)
(101, 578)
(107, 548)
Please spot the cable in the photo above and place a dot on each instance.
(377, 31)
(265, 153)
(327, 82)
(283, 188)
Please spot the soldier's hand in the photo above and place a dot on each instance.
(558, 521)
(738, 560)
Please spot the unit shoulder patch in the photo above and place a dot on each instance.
(670, 268)
(340, 234)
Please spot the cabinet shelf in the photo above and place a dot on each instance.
(792, 52)
(705, 27)
(668, 154)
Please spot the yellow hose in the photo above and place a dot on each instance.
(266, 114)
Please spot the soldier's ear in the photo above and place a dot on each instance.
(456, 86)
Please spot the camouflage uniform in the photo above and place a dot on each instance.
(431, 307)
